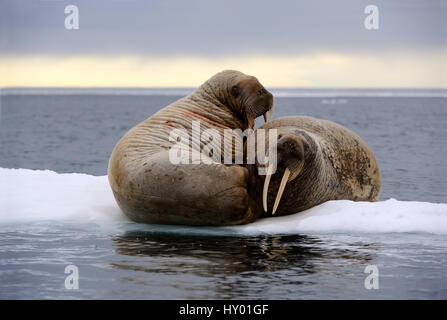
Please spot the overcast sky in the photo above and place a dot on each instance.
(162, 43)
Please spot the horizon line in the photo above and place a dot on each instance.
(280, 92)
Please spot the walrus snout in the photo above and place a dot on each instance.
(290, 150)
(262, 103)
(255, 99)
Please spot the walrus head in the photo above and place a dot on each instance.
(293, 151)
(243, 94)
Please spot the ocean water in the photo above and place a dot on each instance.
(56, 208)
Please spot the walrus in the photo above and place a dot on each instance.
(317, 160)
(150, 188)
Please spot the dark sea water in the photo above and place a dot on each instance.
(76, 134)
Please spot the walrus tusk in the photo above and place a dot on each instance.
(251, 122)
(266, 186)
(285, 177)
(271, 112)
(265, 117)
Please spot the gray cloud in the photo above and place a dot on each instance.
(218, 27)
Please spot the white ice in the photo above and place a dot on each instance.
(43, 195)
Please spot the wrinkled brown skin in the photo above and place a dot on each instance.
(150, 189)
(336, 165)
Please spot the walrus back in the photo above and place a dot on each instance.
(149, 188)
(354, 163)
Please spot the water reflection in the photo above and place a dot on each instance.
(235, 264)
(229, 254)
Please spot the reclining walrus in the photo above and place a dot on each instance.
(317, 160)
(150, 188)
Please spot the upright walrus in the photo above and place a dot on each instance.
(317, 161)
(150, 188)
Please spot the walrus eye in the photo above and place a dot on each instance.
(235, 91)
(306, 147)
(261, 92)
